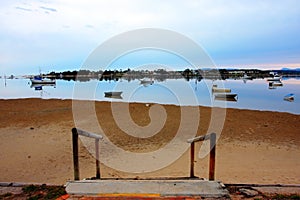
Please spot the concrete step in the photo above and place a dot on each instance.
(153, 189)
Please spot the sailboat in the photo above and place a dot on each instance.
(38, 79)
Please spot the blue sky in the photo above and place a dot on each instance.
(59, 35)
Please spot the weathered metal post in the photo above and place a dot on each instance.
(212, 156)
(75, 153)
(192, 175)
(75, 133)
(97, 159)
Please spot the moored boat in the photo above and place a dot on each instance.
(226, 99)
(221, 90)
(275, 78)
(275, 83)
(35, 85)
(147, 81)
(225, 95)
(112, 94)
(289, 97)
(41, 80)
(247, 77)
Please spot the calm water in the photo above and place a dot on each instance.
(254, 94)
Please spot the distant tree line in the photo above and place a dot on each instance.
(86, 75)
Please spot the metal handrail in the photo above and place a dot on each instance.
(212, 155)
(75, 133)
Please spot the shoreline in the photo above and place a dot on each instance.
(258, 147)
(66, 99)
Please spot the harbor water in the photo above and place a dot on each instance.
(251, 94)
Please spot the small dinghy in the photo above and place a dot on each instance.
(216, 89)
(289, 97)
(113, 94)
(146, 81)
(225, 95)
(275, 78)
(275, 83)
(226, 99)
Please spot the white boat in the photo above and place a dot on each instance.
(221, 90)
(275, 78)
(41, 85)
(225, 95)
(275, 83)
(289, 97)
(247, 77)
(147, 81)
(40, 80)
(272, 87)
(226, 99)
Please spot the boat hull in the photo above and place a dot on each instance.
(226, 90)
(43, 82)
(112, 94)
(289, 97)
(220, 90)
(226, 99)
(275, 83)
(275, 78)
(225, 95)
(35, 85)
(146, 82)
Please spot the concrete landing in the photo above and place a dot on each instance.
(146, 188)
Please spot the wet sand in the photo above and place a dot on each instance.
(254, 146)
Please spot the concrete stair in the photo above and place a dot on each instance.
(146, 189)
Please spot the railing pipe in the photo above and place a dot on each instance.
(97, 159)
(88, 134)
(192, 175)
(75, 153)
(212, 155)
(75, 133)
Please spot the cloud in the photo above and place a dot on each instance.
(65, 26)
(24, 9)
(231, 31)
(47, 9)
(89, 26)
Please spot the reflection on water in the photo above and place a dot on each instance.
(39, 86)
(232, 99)
(42, 88)
(113, 94)
(254, 94)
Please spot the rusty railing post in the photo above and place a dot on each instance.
(75, 153)
(212, 156)
(75, 133)
(192, 175)
(97, 159)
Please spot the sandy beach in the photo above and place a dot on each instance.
(254, 147)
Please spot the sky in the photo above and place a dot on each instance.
(59, 35)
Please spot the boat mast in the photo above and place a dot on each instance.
(40, 71)
(4, 80)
